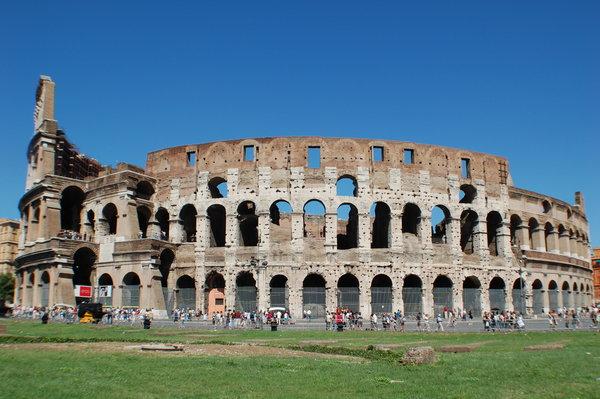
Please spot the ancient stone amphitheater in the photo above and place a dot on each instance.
(296, 222)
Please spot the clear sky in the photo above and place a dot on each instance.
(513, 78)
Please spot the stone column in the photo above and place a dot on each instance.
(176, 233)
(425, 230)
(262, 287)
(485, 299)
(427, 299)
(552, 242)
(522, 233)
(538, 239)
(364, 231)
(202, 232)
(264, 232)
(297, 244)
(480, 239)
(231, 231)
(295, 296)
(396, 229)
(330, 232)
(563, 242)
(457, 297)
(503, 239)
(36, 297)
(454, 236)
(573, 246)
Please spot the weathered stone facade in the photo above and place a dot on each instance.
(247, 223)
(9, 239)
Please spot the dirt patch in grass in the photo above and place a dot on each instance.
(318, 342)
(189, 350)
(459, 348)
(546, 347)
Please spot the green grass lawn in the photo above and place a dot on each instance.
(498, 367)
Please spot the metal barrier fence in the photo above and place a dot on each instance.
(553, 299)
(497, 299)
(413, 300)
(472, 300)
(131, 295)
(186, 298)
(279, 297)
(313, 299)
(442, 298)
(518, 300)
(538, 301)
(245, 299)
(381, 299)
(566, 297)
(45, 295)
(349, 297)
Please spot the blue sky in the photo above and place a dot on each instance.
(518, 79)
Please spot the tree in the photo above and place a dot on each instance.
(7, 287)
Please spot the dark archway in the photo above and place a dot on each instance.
(440, 221)
(186, 292)
(472, 295)
(347, 224)
(553, 295)
(83, 262)
(248, 224)
(380, 214)
(131, 290)
(214, 293)
(143, 214)
(187, 215)
(497, 292)
(411, 219)
(412, 295)
(217, 217)
(71, 204)
(217, 186)
(279, 291)
(162, 217)
(538, 296)
(494, 229)
(45, 289)
(381, 294)
(468, 223)
(144, 190)
(442, 295)
(349, 293)
(313, 295)
(467, 194)
(518, 296)
(245, 292)
(110, 215)
(515, 233)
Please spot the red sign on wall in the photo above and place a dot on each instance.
(83, 291)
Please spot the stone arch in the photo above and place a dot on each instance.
(218, 188)
(518, 295)
(187, 216)
(472, 295)
(347, 185)
(548, 237)
(442, 294)
(131, 290)
(143, 214)
(84, 260)
(313, 295)
(247, 224)
(538, 298)
(217, 219)
(245, 292)
(494, 229)
(467, 194)
(553, 295)
(162, 217)
(380, 214)
(110, 214)
(412, 295)
(347, 226)
(468, 222)
(533, 227)
(214, 293)
(144, 190)
(280, 215)
(497, 294)
(105, 289)
(45, 289)
(186, 292)
(314, 219)
(71, 204)
(348, 292)
(411, 219)
(440, 224)
(279, 294)
(167, 257)
(515, 230)
(381, 294)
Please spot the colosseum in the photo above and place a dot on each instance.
(298, 222)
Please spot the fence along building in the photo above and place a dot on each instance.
(300, 222)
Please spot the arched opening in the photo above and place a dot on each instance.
(442, 295)
(280, 215)
(131, 290)
(314, 220)
(45, 289)
(144, 190)
(411, 219)
(186, 292)
(348, 293)
(110, 215)
(217, 186)
(347, 186)
(538, 298)
(494, 229)
(143, 214)
(217, 217)
(467, 194)
(553, 295)
(166, 262)
(162, 217)
(547, 207)
(248, 224)
(497, 292)
(412, 295)
(313, 295)
(563, 239)
(381, 294)
(566, 295)
(380, 214)
(187, 215)
(472, 296)
(71, 204)
(347, 226)
(105, 289)
(515, 230)
(214, 293)
(245, 293)
(549, 237)
(91, 221)
(440, 222)
(468, 222)
(83, 262)
(518, 296)
(575, 293)
(533, 226)
(279, 291)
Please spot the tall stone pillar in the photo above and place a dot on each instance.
(262, 287)
(231, 231)
(425, 230)
(522, 233)
(480, 246)
(295, 296)
(485, 298)
(364, 230)
(396, 229)
(330, 232)
(202, 232)
(176, 233)
(503, 239)
(538, 239)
